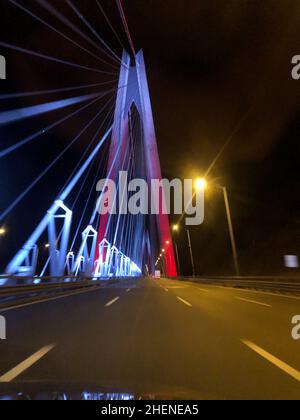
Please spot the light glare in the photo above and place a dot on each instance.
(201, 184)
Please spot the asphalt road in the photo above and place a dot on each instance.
(170, 338)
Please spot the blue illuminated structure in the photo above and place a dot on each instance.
(125, 246)
(9, 117)
(25, 261)
(111, 263)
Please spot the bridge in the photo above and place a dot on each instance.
(115, 245)
(79, 293)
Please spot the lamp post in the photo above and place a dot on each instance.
(191, 252)
(175, 230)
(231, 231)
(201, 184)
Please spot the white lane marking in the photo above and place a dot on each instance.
(254, 302)
(184, 301)
(37, 302)
(200, 290)
(128, 290)
(166, 290)
(187, 285)
(19, 369)
(274, 360)
(112, 302)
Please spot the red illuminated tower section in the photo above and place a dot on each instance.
(133, 89)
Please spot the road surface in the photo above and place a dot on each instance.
(172, 338)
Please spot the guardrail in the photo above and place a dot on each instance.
(18, 291)
(265, 283)
(35, 280)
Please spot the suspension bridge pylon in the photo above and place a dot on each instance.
(133, 90)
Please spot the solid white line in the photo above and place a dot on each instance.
(18, 370)
(37, 302)
(112, 302)
(184, 301)
(254, 301)
(272, 359)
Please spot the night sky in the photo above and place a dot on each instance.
(218, 70)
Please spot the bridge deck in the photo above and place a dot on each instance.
(160, 336)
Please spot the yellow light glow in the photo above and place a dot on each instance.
(175, 228)
(200, 184)
(2, 231)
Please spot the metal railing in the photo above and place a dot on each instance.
(281, 284)
(20, 290)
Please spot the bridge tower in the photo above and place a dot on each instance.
(133, 90)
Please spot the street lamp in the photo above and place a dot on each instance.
(191, 252)
(202, 183)
(175, 230)
(231, 231)
(2, 231)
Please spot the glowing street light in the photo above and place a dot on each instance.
(2, 231)
(201, 184)
(175, 228)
